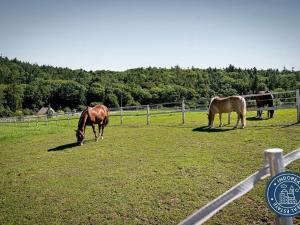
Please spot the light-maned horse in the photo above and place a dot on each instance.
(90, 116)
(227, 105)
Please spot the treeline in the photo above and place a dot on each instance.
(25, 87)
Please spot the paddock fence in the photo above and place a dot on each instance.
(275, 163)
(282, 100)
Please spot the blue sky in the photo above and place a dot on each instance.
(118, 35)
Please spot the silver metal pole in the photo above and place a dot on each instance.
(183, 111)
(69, 124)
(148, 115)
(274, 156)
(121, 115)
(298, 105)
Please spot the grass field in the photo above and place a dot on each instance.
(137, 175)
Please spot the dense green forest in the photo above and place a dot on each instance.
(25, 87)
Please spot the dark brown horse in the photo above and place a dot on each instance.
(90, 116)
(263, 100)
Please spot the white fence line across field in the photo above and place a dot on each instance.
(170, 108)
(273, 159)
(274, 93)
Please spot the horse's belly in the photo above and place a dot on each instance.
(226, 110)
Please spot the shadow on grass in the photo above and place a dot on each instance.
(254, 118)
(212, 130)
(289, 125)
(67, 146)
(63, 147)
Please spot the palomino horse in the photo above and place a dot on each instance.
(91, 116)
(262, 100)
(227, 105)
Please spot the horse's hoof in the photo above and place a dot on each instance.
(101, 138)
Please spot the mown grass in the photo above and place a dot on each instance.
(137, 175)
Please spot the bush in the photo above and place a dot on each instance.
(19, 113)
(67, 109)
(112, 101)
(27, 112)
(92, 104)
(5, 112)
(133, 103)
(81, 107)
(60, 111)
(261, 87)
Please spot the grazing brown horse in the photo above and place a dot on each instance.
(227, 105)
(91, 116)
(263, 100)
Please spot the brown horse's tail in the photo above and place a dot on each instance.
(244, 110)
(106, 120)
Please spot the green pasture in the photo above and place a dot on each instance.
(137, 174)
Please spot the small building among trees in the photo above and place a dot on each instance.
(45, 111)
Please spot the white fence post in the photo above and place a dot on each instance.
(298, 105)
(148, 115)
(121, 115)
(183, 111)
(69, 124)
(274, 157)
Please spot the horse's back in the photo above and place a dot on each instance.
(98, 113)
(100, 108)
(226, 104)
(266, 99)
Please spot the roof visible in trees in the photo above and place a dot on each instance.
(45, 110)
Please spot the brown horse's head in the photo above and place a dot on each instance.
(79, 136)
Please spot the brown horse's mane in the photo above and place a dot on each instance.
(82, 120)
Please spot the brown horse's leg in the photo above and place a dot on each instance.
(100, 131)
(229, 118)
(242, 120)
(220, 117)
(93, 126)
(211, 121)
(83, 136)
(238, 119)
